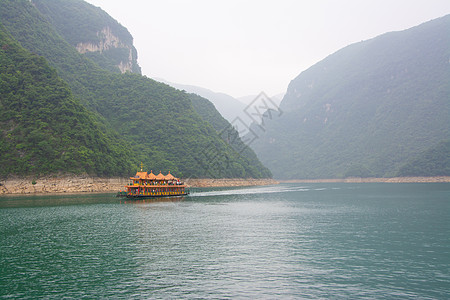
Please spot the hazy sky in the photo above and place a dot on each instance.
(244, 47)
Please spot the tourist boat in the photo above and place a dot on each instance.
(149, 185)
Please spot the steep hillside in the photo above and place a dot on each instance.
(433, 162)
(43, 129)
(229, 107)
(229, 134)
(92, 32)
(364, 110)
(276, 99)
(158, 121)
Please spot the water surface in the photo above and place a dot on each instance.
(286, 241)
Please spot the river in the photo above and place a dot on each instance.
(321, 240)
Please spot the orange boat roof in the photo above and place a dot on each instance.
(151, 176)
(160, 176)
(169, 177)
(141, 175)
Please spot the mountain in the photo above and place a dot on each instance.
(93, 33)
(248, 99)
(229, 134)
(433, 162)
(365, 110)
(241, 112)
(43, 129)
(230, 108)
(156, 123)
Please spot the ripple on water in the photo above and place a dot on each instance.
(287, 241)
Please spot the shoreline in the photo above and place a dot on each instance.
(228, 182)
(85, 184)
(434, 179)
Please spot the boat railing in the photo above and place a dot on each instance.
(156, 184)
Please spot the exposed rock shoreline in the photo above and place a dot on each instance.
(368, 180)
(229, 182)
(85, 184)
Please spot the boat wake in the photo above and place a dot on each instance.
(250, 191)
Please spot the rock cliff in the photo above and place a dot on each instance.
(93, 33)
(108, 41)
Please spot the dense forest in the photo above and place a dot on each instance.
(82, 23)
(365, 110)
(43, 129)
(229, 134)
(226, 105)
(375, 108)
(432, 162)
(152, 122)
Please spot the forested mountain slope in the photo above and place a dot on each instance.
(365, 110)
(92, 32)
(43, 129)
(229, 134)
(157, 121)
(229, 107)
(433, 162)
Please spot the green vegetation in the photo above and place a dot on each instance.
(150, 121)
(433, 162)
(229, 134)
(43, 129)
(365, 110)
(165, 130)
(80, 22)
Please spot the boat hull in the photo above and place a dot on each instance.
(154, 196)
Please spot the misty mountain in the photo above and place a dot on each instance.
(134, 118)
(93, 33)
(366, 110)
(248, 99)
(432, 162)
(229, 134)
(230, 108)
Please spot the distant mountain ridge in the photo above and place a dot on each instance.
(248, 99)
(235, 110)
(229, 107)
(229, 134)
(144, 121)
(365, 110)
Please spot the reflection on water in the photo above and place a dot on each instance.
(40, 200)
(285, 241)
(152, 200)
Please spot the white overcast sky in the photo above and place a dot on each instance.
(243, 47)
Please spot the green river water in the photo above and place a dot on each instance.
(324, 240)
